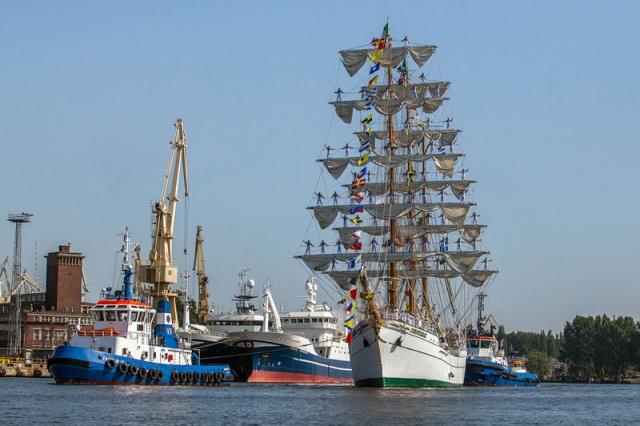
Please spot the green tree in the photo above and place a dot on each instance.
(578, 348)
(603, 335)
(539, 362)
(623, 339)
(543, 342)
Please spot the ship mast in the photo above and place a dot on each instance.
(161, 272)
(392, 223)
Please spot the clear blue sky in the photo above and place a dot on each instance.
(546, 92)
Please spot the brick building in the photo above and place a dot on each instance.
(64, 280)
(48, 319)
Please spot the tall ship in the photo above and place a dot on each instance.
(304, 346)
(487, 363)
(408, 252)
(131, 343)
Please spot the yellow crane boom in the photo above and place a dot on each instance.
(161, 272)
(203, 280)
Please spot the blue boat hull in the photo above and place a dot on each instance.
(265, 362)
(487, 373)
(72, 364)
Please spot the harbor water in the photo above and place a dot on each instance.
(40, 401)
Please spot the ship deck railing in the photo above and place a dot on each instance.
(220, 334)
(119, 295)
(136, 336)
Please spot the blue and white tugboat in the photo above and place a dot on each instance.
(122, 349)
(487, 364)
(124, 346)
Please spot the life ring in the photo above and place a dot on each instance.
(133, 370)
(123, 368)
(189, 377)
(142, 373)
(174, 376)
(153, 375)
(196, 377)
(37, 373)
(212, 377)
(220, 375)
(111, 363)
(248, 344)
(159, 375)
(2, 372)
(183, 376)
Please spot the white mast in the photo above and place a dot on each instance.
(269, 307)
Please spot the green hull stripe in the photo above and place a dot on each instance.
(391, 382)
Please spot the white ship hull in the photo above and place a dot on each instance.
(403, 356)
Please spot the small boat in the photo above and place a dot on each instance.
(122, 349)
(487, 364)
(304, 346)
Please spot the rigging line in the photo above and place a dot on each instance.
(449, 102)
(185, 244)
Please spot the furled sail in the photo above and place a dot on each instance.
(435, 89)
(467, 232)
(473, 277)
(458, 187)
(345, 109)
(463, 261)
(408, 138)
(455, 212)
(391, 57)
(445, 163)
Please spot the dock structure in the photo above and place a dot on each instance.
(23, 367)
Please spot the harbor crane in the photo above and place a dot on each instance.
(161, 272)
(24, 284)
(14, 335)
(203, 280)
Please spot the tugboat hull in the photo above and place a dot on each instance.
(77, 365)
(487, 373)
